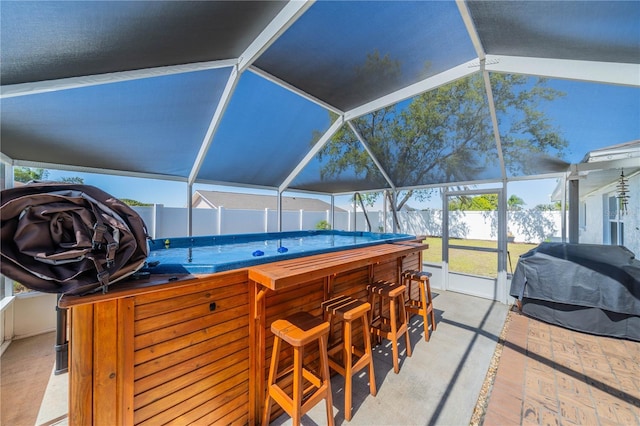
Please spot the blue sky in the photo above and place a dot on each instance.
(590, 116)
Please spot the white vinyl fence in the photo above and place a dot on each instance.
(526, 225)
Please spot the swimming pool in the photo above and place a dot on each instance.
(205, 255)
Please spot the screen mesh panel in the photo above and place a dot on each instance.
(546, 134)
(341, 165)
(580, 30)
(265, 133)
(148, 126)
(441, 136)
(44, 40)
(349, 53)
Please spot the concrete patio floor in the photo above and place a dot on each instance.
(440, 382)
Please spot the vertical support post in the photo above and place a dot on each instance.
(266, 220)
(62, 344)
(385, 207)
(107, 396)
(279, 211)
(399, 269)
(257, 350)
(355, 213)
(501, 291)
(563, 210)
(333, 212)
(125, 373)
(574, 211)
(7, 176)
(154, 221)
(81, 365)
(189, 210)
(394, 203)
(445, 239)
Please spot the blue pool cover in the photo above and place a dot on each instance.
(204, 255)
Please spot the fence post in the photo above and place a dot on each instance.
(220, 209)
(266, 220)
(301, 220)
(154, 221)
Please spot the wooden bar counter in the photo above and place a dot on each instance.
(196, 348)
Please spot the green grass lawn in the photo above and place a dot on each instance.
(474, 262)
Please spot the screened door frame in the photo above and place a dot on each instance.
(500, 290)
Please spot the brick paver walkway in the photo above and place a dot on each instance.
(549, 375)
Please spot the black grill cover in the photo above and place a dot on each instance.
(587, 287)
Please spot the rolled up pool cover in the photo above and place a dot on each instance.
(69, 238)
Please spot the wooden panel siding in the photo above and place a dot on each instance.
(197, 349)
(81, 365)
(188, 348)
(163, 354)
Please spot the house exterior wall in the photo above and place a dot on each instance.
(592, 219)
(594, 211)
(201, 204)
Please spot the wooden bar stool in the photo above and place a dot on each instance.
(393, 326)
(348, 310)
(424, 305)
(299, 330)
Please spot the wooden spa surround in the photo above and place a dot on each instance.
(197, 348)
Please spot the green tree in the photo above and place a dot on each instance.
(27, 174)
(323, 224)
(485, 202)
(515, 203)
(131, 202)
(74, 179)
(445, 135)
(557, 205)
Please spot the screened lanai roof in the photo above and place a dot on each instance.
(290, 95)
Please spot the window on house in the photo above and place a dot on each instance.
(616, 224)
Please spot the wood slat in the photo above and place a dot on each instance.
(193, 285)
(352, 284)
(125, 371)
(278, 275)
(105, 343)
(216, 328)
(178, 302)
(191, 377)
(195, 319)
(412, 261)
(81, 365)
(208, 407)
(178, 363)
(229, 414)
(387, 271)
(164, 321)
(179, 396)
(276, 297)
(310, 302)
